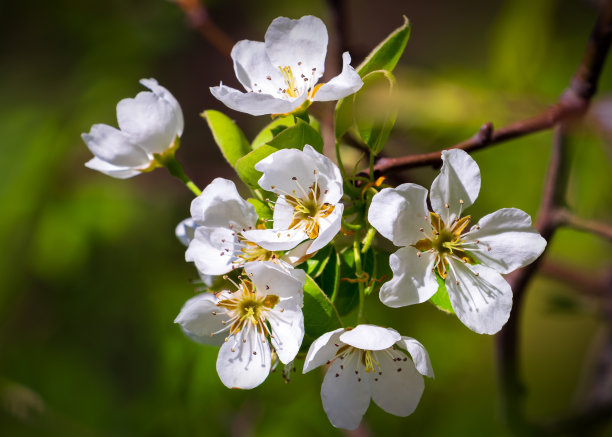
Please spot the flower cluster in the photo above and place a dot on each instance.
(251, 253)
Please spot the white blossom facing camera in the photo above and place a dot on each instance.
(149, 124)
(470, 262)
(368, 362)
(281, 73)
(309, 188)
(264, 311)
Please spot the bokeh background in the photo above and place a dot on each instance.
(92, 277)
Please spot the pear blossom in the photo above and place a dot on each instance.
(265, 311)
(149, 124)
(471, 262)
(185, 231)
(368, 362)
(309, 188)
(219, 219)
(280, 74)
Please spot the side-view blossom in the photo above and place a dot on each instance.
(149, 124)
(280, 74)
(265, 311)
(368, 362)
(471, 262)
(309, 188)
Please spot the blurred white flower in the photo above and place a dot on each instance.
(471, 263)
(368, 362)
(149, 124)
(309, 188)
(265, 310)
(281, 74)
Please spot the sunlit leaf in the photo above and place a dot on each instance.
(263, 210)
(441, 299)
(228, 136)
(320, 316)
(295, 137)
(245, 166)
(386, 54)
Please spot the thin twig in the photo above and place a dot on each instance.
(588, 283)
(199, 19)
(568, 219)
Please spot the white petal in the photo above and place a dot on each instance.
(345, 398)
(345, 84)
(419, 355)
(482, 302)
(283, 213)
(163, 93)
(287, 329)
(323, 349)
(244, 364)
(300, 44)
(272, 239)
(371, 337)
(506, 240)
(398, 390)
(399, 213)
(328, 228)
(113, 146)
(185, 231)
(110, 169)
(459, 179)
(254, 103)
(150, 120)
(413, 278)
(200, 318)
(212, 250)
(253, 67)
(270, 278)
(220, 205)
(293, 172)
(298, 254)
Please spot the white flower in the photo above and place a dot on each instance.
(309, 188)
(368, 361)
(471, 263)
(265, 309)
(280, 74)
(149, 124)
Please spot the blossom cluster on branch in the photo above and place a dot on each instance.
(281, 269)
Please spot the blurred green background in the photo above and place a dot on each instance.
(92, 277)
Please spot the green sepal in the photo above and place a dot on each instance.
(245, 166)
(320, 315)
(229, 137)
(374, 111)
(263, 210)
(386, 54)
(441, 298)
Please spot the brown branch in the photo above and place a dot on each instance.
(199, 19)
(582, 87)
(568, 219)
(592, 284)
(572, 104)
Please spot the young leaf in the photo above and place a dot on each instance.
(227, 135)
(262, 209)
(374, 110)
(441, 299)
(271, 130)
(386, 54)
(245, 166)
(316, 265)
(320, 315)
(295, 137)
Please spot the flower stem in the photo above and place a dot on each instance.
(359, 274)
(176, 169)
(367, 240)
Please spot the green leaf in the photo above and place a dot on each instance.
(271, 130)
(386, 54)
(343, 116)
(320, 315)
(245, 166)
(374, 109)
(227, 135)
(316, 265)
(441, 299)
(295, 137)
(263, 210)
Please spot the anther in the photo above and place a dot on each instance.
(244, 340)
(477, 274)
(461, 201)
(294, 178)
(300, 63)
(446, 205)
(337, 375)
(399, 369)
(489, 249)
(267, 287)
(314, 69)
(341, 366)
(358, 379)
(254, 352)
(356, 372)
(226, 339)
(268, 77)
(214, 313)
(233, 350)
(419, 254)
(457, 282)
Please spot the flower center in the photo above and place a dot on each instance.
(308, 210)
(369, 362)
(253, 252)
(445, 241)
(291, 90)
(247, 306)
